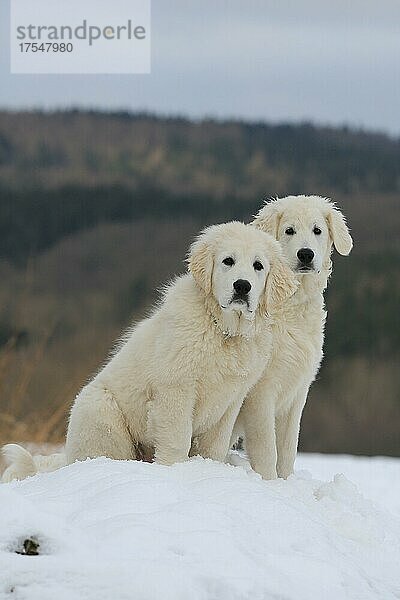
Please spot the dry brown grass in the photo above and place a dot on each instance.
(26, 416)
(18, 368)
(16, 423)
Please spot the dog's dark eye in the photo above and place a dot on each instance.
(317, 230)
(257, 266)
(290, 231)
(228, 261)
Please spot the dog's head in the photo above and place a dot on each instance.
(307, 227)
(242, 267)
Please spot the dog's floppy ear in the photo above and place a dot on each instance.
(201, 261)
(281, 285)
(268, 217)
(339, 231)
(281, 282)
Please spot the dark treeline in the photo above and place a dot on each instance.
(31, 221)
(87, 148)
(65, 171)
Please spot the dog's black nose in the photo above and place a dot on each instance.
(242, 287)
(305, 255)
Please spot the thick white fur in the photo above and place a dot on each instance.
(270, 416)
(176, 383)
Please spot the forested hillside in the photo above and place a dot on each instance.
(97, 210)
(66, 171)
(207, 157)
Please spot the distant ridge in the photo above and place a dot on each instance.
(215, 158)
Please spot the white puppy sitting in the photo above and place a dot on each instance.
(176, 383)
(307, 227)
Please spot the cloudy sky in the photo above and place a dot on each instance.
(330, 62)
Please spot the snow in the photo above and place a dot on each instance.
(377, 477)
(205, 531)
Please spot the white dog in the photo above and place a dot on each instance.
(176, 384)
(306, 227)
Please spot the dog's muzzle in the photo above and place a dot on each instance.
(305, 260)
(242, 288)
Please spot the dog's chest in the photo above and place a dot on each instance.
(227, 377)
(297, 346)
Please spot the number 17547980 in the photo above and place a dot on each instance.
(45, 47)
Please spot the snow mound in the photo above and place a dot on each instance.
(200, 530)
(377, 476)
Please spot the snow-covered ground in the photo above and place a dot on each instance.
(201, 530)
(377, 477)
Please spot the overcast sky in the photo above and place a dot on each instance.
(330, 62)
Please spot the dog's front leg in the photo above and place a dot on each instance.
(215, 442)
(287, 434)
(170, 424)
(258, 418)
